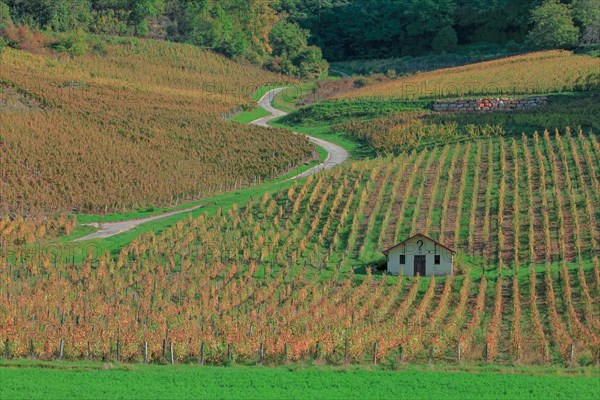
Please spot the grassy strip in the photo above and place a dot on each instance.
(90, 381)
(335, 112)
(248, 116)
(289, 98)
(355, 149)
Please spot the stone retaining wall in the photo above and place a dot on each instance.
(488, 105)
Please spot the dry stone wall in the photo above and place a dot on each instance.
(488, 105)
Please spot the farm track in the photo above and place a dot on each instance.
(337, 155)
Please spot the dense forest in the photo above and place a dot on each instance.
(351, 29)
(294, 36)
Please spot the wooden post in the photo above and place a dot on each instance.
(285, 351)
(61, 349)
(401, 353)
(145, 352)
(459, 353)
(261, 354)
(172, 355)
(431, 354)
(572, 353)
(6, 349)
(229, 351)
(164, 348)
(202, 353)
(486, 352)
(89, 350)
(118, 350)
(375, 354)
(31, 349)
(318, 351)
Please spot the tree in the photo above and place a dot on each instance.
(592, 33)
(586, 14)
(445, 40)
(74, 43)
(553, 26)
(141, 10)
(291, 53)
(4, 13)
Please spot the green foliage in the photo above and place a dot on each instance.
(56, 15)
(3, 44)
(141, 10)
(4, 13)
(75, 44)
(328, 113)
(291, 53)
(553, 26)
(445, 40)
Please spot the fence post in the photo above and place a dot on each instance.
(286, 350)
(572, 353)
(118, 350)
(145, 352)
(431, 354)
(61, 349)
(89, 350)
(375, 354)
(172, 356)
(6, 348)
(401, 351)
(202, 353)
(261, 354)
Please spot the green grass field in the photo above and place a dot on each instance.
(63, 380)
(249, 116)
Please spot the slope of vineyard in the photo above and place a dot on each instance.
(408, 130)
(516, 200)
(140, 125)
(282, 278)
(542, 72)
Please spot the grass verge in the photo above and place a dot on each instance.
(62, 380)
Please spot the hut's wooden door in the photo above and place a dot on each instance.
(420, 265)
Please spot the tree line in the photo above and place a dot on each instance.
(294, 36)
(256, 31)
(363, 29)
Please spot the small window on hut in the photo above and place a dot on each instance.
(402, 259)
(437, 259)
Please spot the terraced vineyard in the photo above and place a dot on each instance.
(140, 126)
(282, 278)
(408, 130)
(542, 72)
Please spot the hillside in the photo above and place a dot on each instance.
(520, 211)
(139, 126)
(541, 72)
(293, 272)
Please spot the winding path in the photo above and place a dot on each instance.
(337, 155)
(108, 229)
